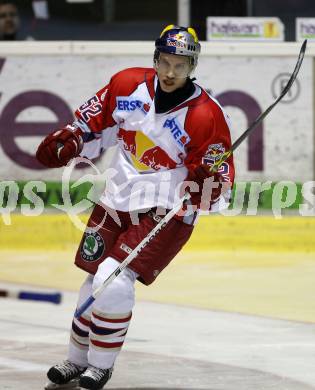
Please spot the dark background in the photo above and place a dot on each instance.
(144, 19)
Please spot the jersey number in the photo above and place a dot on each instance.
(91, 108)
(224, 169)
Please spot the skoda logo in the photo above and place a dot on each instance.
(92, 247)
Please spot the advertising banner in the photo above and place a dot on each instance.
(244, 29)
(305, 29)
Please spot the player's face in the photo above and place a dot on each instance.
(9, 19)
(172, 71)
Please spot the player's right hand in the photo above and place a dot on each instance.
(198, 175)
(59, 147)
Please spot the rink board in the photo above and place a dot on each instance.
(42, 85)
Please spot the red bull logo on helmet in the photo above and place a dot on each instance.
(179, 134)
(176, 43)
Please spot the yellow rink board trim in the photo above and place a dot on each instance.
(263, 233)
(250, 265)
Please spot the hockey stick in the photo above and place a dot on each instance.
(32, 296)
(216, 165)
(80, 310)
(262, 116)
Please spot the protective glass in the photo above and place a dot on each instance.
(180, 70)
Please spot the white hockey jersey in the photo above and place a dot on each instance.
(155, 151)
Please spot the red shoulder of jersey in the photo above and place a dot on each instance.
(209, 132)
(96, 114)
(126, 81)
(205, 118)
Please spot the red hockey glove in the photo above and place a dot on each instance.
(205, 186)
(58, 148)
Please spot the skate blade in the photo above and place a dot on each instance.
(73, 384)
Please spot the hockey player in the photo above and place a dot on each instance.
(167, 130)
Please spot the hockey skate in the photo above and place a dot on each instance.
(64, 376)
(95, 378)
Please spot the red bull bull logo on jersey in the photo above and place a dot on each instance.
(145, 155)
(179, 134)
